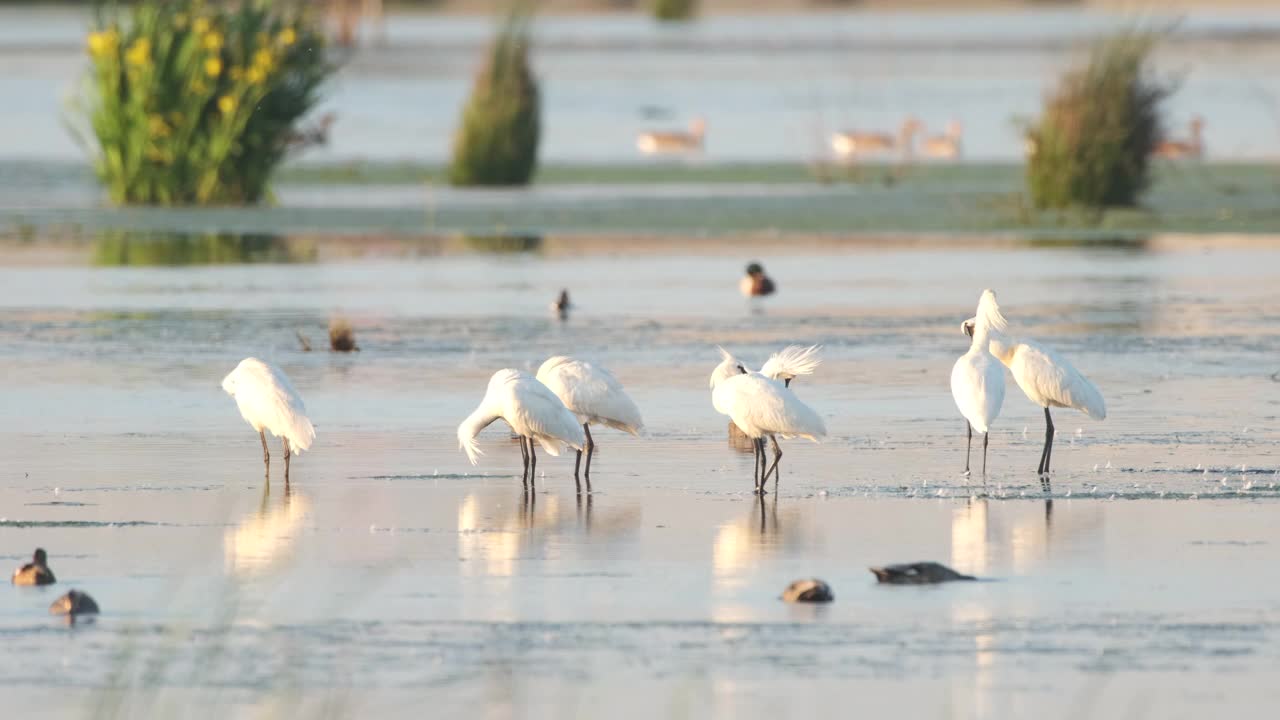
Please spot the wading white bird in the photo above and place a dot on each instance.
(1046, 378)
(761, 405)
(594, 395)
(532, 411)
(267, 401)
(977, 380)
(785, 365)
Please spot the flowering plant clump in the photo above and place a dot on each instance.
(195, 103)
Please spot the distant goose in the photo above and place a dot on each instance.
(1046, 378)
(919, 573)
(672, 142)
(267, 401)
(36, 572)
(811, 590)
(850, 144)
(594, 395)
(755, 283)
(947, 146)
(73, 604)
(1192, 147)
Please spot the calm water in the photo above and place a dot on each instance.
(392, 565)
(770, 87)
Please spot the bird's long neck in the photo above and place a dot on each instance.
(998, 343)
(471, 427)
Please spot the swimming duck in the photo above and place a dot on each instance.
(72, 604)
(36, 572)
(562, 306)
(919, 573)
(755, 283)
(811, 590)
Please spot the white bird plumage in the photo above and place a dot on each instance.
(977, 381)
(1046, 378)
(764, 406)
(268, 401)
(594, 395)
(532, 411)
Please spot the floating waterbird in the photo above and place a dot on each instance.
(593, 394)
(812, 590)
(341, 337)
(531, 409)
(919, 573)
(673, 142)
(36, 572)
(977, 379)
(268, 401)
(1046, 378)
(755, 283)
(73, 604)
(562, 306)
(760, 406)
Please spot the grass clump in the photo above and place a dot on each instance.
(195, 103)
(674, 10)
(497, 142)
(1092, 145)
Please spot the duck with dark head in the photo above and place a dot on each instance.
(755, 283)
(36, 572)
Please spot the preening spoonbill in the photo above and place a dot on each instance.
(36, 572)
(755, 283)
(267, 401)
(760, 406)
(977, 380)
(784, 365)
(594, 395)
(1046, 378)
(532, 411)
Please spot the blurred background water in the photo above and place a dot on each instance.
(770, 86)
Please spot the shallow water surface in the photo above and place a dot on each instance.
(389, 565)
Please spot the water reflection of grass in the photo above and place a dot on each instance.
(123, 248)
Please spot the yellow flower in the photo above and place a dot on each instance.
(180, 20)
(103, 43)
(213, 41)
(263, 59)
(227, 104)
(288, 37)
(213, 67)
(255, 75)
(139, 53)
(201, 26)
(157, 126)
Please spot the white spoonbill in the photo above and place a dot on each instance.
(785, 365)
(760, 406)
(1046, 378)
(267, 401)
(595, 396)
(532, 411)
(977, 380)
